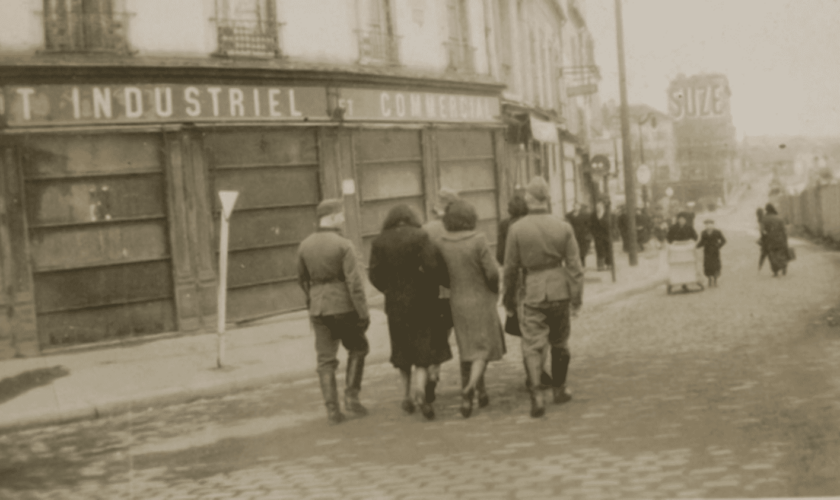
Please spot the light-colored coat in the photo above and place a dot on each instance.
(543, 246)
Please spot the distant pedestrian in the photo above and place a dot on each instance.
(600, 230)
(330, 277)
(775, 240)
(543, 247)
(474, 282)
(759, 214)
(517, 208)
(711, 241)
(436, 231)
(682, 230)
(580, 219)
(406, 267)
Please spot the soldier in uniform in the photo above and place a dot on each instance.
(329, 275)
(543, 247)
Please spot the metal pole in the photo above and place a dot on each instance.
(629, 175)
(222, 297)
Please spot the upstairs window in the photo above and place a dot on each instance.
(84, 26)
(247, 28)
(459, 50)
(377, 41)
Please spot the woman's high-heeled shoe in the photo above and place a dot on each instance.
(467, 403)
(408, 406)
(483, 399)
(425, 407)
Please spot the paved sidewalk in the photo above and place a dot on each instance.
(134, 377)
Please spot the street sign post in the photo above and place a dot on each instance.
(228, 199)
(643, 174)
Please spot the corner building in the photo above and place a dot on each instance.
(120, 120)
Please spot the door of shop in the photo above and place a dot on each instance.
(96, 213)
(389, 167)
(467, 163)
(276, 174)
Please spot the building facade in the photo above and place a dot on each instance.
(120, 120)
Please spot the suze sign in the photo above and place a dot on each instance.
(73, 104)
(699, 97)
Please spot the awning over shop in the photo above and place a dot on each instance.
(544, 131)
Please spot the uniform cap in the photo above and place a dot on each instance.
(329, 207)
(538, 188)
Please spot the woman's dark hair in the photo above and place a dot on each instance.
(401, 214)
(460, 216)
(517, 207)
(770, 209)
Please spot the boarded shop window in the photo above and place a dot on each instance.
(98, 232)
(389, 166)
(466, 163)
(84, 26)
(276, 174)
(461, 53)
(247, 28)
(377, 41)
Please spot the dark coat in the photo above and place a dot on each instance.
(406, 267)
(711, 243)
(580, 225)
(600, 231)
(774, 237)
(329, 275)
(474, 282)
(682, 233)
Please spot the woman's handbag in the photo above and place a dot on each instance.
(791, 253)
(512, 325)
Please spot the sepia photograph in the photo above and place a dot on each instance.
(419, 249)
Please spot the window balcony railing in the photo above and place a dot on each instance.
(461, 57)
(250, 38)
(79, 32)
(379, 46)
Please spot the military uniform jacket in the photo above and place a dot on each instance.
(543, 246)
(328, 273)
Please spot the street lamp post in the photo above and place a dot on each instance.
(629, 176)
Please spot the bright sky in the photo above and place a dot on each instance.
(782, 57)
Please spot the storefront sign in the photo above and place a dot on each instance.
(588, 89)
(394, 105)
(699, 97)
(72, 104)
(544, 131)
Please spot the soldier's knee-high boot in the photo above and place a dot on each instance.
(560, 358)
(534, 364)
(330, 392)
(355, 371)
(466, 399)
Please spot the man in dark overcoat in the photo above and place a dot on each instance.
(543, 247)
(580, 218)
(329, 274)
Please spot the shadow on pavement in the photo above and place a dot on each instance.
(13, 387)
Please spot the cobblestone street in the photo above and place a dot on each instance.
(732, 392)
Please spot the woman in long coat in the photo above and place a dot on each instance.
(406, 267)
(774, 235)
(474, 284)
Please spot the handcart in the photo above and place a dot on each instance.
(683, 267)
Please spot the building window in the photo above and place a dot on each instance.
(84, 26)
(460, 52)
(503, 37)
(247, 28)
(377, 41)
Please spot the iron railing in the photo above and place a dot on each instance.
(461, 56)
(83, 32)
(377, 45)
(239, 37)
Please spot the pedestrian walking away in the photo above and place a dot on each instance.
(329, 274)
(711, 241)
(600, 230)
(580, 219)
(517, 208)
(443, 312)
(474, 283)
(775, 240)
(543, 248)
(759, 214)
(406, 267)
